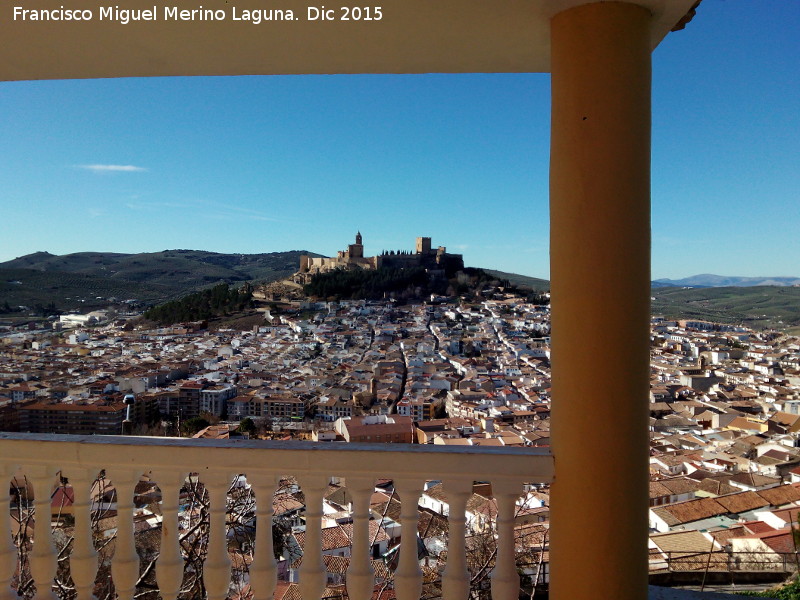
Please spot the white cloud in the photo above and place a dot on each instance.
(109, 168)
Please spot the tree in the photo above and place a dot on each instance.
(220, 300)
(248, 426)
(530, 542)
(194, 425)
(24, 519)
(264, 425)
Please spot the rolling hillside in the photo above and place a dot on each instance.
(87, 279)
(538, 285)
(757, 307)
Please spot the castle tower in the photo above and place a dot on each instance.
(423, 245)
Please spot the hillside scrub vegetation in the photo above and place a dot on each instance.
(221, 300)
(399, 283)
(362, 284)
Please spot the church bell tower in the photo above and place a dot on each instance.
(356, 250)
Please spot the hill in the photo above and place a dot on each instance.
(66, 291)
(537, 285)
(768, 305)
(757, 307)
(172, 267)
(87, 279)
(709, 280)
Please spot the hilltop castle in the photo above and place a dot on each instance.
(438, 262)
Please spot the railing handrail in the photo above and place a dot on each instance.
(529, 464)
(730, 553)
(734, 560)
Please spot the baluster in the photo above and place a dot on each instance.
(43, 559)
(83, 560)
(264, 570)
(360, 576)
(8, 552)
(456, 579)
(169, 566)
(125, 564)
(217, 568)
(312, 571)
(505, 579)
(408, 575)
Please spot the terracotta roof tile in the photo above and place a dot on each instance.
(718, 487)
(742, 502)
(721, 536)
(679, 485)
(783, 494)
(778, 541)
(757, 527)
(683, 541)
(691, 510)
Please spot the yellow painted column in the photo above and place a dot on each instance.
(600, 283)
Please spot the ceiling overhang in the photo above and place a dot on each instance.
(412, 36)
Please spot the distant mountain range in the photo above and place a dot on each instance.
(697, 281)
(709, 280)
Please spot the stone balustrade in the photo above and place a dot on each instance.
(42, 459)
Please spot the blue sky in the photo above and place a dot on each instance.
(262, 164)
